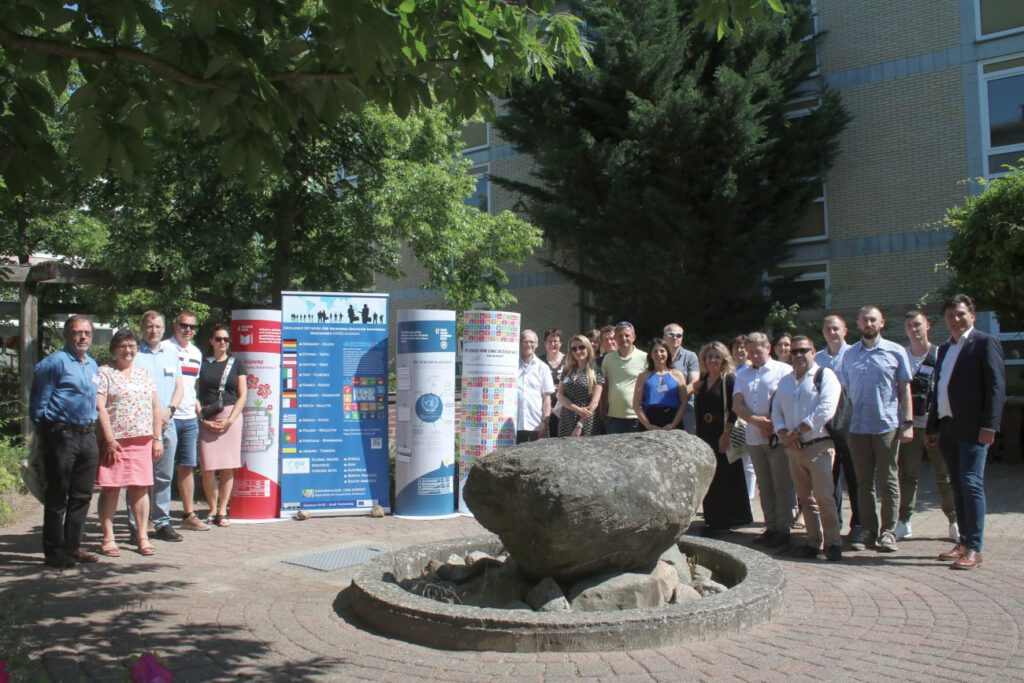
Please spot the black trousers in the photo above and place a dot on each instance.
(70, 458)
(527, 435)
(844, 464)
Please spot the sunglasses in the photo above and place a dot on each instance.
(574, 349)
(226, 340)
(712, 356)
(186, 326)
(623, 324)
(800, 351)
(674, 335)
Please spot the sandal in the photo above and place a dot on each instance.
(222, 520)
(110, 549)
(146, 549)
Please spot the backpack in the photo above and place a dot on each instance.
(840, 422)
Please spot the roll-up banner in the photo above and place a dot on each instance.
(334, 405)
(425, 428)
(490, 360)
(257, 344)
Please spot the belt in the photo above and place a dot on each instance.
(67, 427)
(804, 444)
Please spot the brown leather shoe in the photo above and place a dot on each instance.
(955, 553)
(85, 557)
(968, 560)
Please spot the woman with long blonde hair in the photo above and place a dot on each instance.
(579, 392)
(726, 504)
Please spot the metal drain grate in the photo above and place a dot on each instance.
(330, 560)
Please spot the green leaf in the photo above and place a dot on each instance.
(209, 119)
(407, 7)
(57, 73)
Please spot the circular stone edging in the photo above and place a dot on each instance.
(377, 599)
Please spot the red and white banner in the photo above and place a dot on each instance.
(257, 343)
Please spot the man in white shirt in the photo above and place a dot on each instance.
(186, 455)
(755, 385)
(534, 388)
(800, 411)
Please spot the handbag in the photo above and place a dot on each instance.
(738, 433)
(212, 409)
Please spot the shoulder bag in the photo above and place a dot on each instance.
(211, 410)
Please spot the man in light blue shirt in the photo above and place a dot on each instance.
(162, 365)
(876, 375)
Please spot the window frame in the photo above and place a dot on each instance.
(485, 171)
(979, 36)
(986, 131)
(823, 200)
(487, 139)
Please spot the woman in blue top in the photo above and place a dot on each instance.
(659, 398)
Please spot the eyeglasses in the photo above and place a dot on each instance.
(186, 326)
(226, 340)
(712, 356)
(674, 335)
(800, 351)
(574, 349)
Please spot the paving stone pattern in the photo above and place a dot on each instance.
(223, 605)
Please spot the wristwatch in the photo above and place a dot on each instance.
(173, 409)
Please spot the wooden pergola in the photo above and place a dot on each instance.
(28, 279)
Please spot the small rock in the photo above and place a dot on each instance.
(456, 573)
(433, 566)
(706, 586)
(684, 594)
(302, 515)
(623, 590)
(476, 556)
(699, 571)
(668, 580)
(455, 559)
(377, 512)
(547, 596)
(675, 557)
(496, 587)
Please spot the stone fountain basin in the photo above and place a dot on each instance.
(756, 581)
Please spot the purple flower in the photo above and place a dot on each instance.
(148, 669)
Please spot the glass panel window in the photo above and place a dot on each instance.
(812, 223)
(481, 197)
(805, 284)
(1003, 120)
(474, 135)
(1000, 16)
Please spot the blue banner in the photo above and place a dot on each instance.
(425, 427)
(334, 402)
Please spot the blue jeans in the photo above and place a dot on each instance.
(187, 454)
(965, 461)
(163, 474)
(621, 425)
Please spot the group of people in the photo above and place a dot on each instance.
(807, 419)
(159, 406)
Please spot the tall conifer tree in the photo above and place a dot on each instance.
(669, 177)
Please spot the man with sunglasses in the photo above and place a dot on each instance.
(802, 407)
(186, 455)
(685, 361)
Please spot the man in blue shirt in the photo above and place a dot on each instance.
(876, 375)
(62, 406)
(161, 362)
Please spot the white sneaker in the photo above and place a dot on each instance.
(903, 530)
(954, 532)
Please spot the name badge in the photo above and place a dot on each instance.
(925, 370)
(662, 388)
(169, 372)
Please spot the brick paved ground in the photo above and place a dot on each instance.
(223, 605)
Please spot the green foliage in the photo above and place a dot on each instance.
(238, 71)
(986, 252)
(12, 452)
(668, 176)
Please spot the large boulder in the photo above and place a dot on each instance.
(575, 507)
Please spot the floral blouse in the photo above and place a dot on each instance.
(129, 401)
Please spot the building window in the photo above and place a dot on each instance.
(475, 135)
(481, 197)
(1002, 97)
(813, 225)
(806, 284)
(997, 18)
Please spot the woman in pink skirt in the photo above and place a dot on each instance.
(220, 393)
(129, 416)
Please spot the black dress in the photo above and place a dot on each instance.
(727, 503)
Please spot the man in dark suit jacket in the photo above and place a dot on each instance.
(966, 407)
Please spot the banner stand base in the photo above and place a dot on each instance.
(450, 515)
(236, 520)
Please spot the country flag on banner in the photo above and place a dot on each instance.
(290, 428)
(289, 345)
(292, 449)
(289, 360)
(289, 398)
